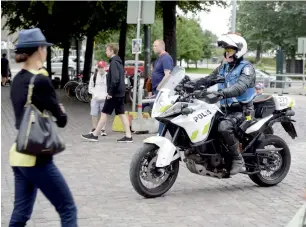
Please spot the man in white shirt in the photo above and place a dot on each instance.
(98, 89)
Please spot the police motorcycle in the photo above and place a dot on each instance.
(191, 117)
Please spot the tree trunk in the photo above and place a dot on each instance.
(88, 57)
(196, 64)
(77, 42)
(122, 40)
(258, 51)
(49, 68)
(65, 75)
(169, 23)
(181, 62)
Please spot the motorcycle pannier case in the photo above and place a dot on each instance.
(264, 106)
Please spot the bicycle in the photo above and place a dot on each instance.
(84, 95)
(71, 85)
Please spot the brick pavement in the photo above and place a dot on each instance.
(98, 175)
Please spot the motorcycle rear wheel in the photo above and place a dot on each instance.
(137, 165)
(283, 158)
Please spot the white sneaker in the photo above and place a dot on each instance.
(103, 133)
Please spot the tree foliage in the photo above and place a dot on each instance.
(190, 39)
(169, 18)
(266, 25)
(61, 22)
(113, 36)
(192, 42)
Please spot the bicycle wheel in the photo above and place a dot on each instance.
(69, 89)
(82, 92)
(86, 97)
(77, 92)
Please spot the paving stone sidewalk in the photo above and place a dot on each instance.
(98, 175)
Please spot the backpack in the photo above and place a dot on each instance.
(95, 77)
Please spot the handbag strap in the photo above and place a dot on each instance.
(30, 90)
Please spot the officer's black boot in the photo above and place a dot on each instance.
(238, 162)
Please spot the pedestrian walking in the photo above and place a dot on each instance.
(5, 70)
(36, 172)
(115, 96)
(98, 90)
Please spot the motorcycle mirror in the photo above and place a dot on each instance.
(184, 105)
(178, 88)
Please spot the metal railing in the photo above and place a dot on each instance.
(294, 84)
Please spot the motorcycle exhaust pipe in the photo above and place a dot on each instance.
(264, 151)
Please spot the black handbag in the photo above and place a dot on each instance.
(38, 134)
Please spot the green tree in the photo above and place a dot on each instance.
(250, 23)
(169, 18)
(190, 40)
(48, 16)
(113, 36)
(86, 18)
(270, 24)
(99, 16)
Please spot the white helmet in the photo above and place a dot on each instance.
(233, 41)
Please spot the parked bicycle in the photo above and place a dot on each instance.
(71, 85)
(129, 84)
(77, 89)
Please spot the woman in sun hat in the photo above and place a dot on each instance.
(30, 172)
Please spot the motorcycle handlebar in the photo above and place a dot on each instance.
(187, 111)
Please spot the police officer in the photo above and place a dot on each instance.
(235, 92)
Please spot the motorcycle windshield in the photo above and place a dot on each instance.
(166, 96)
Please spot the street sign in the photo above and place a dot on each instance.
(147, 12)
(301, 45)
(136, 46)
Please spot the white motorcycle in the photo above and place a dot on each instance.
(195, 140)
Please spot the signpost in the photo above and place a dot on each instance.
(234, 10)
(139, 12)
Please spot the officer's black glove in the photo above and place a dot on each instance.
(214, 97)
(218, 93)
(200, 83)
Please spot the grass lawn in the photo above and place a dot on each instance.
(199, 70)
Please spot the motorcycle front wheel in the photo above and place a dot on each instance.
(143, 170)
